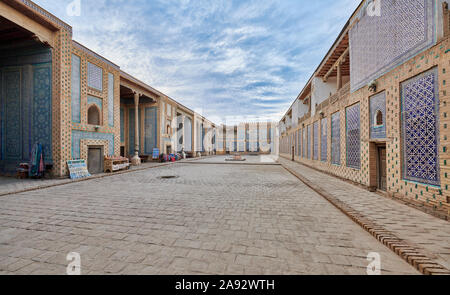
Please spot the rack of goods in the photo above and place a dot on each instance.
(113, 164)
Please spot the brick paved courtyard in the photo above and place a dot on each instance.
(212, 219)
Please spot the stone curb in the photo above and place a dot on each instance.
(70, 181)
(395, 197)
(406, 251)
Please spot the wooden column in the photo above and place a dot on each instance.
(136, 161)
(339, 76)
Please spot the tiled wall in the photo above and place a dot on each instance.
(436, 59)
(105, 94)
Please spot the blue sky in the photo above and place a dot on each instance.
(229, 60)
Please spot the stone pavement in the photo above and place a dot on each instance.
(212, 219)
(249, 159)
(425, 232)
(9, 185)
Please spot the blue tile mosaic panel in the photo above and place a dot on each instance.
(25, 113)
(299, 143)
(316, 140)
(122, 125)
(42, 109)
(95, 77)
(111, 99)
(1, 115)
(305, 143)
(378, 108)
(420, 128)
(78, 135)
(295, 143)
(336, 138)
(76, 89)
(381, 42)
(150, 130)
(309, 141)
(323, 140)
(12, 115)
(353, 136)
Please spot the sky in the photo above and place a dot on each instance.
(229, 60)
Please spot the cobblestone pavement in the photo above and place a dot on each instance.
(425, 232)
(249, 159)
(212, 219)
(9, 185)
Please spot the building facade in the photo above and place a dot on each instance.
(376, 110)
(256, 137)
(77, 104)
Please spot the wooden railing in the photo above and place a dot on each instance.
(340, 94)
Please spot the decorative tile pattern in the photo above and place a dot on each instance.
(299, 143)
(378, 104)
(316, 141)
(305, 143)
(95, 77)
(42, 109)
(76, 89)
(151, 130)
(78, 136)
(1, 116)
(336, 138)
(48, 15)
(380, 43)
(110, 99)
(122, 125)
(323, 140)
(420, 122)
(13, 118)
(353, 136)
(309, 141)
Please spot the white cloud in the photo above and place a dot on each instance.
(221, 56)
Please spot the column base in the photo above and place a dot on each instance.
(136, 161)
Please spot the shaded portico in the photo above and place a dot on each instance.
(138, 119)
(25, 96)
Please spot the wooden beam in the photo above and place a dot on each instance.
(44, 34)
(340, 60)
(339, 77)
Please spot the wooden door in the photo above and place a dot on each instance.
(382, 174)
(95, 160)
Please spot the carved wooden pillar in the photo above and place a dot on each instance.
(339, 76)
(136, 161)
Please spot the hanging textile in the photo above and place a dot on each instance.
(37, 166)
